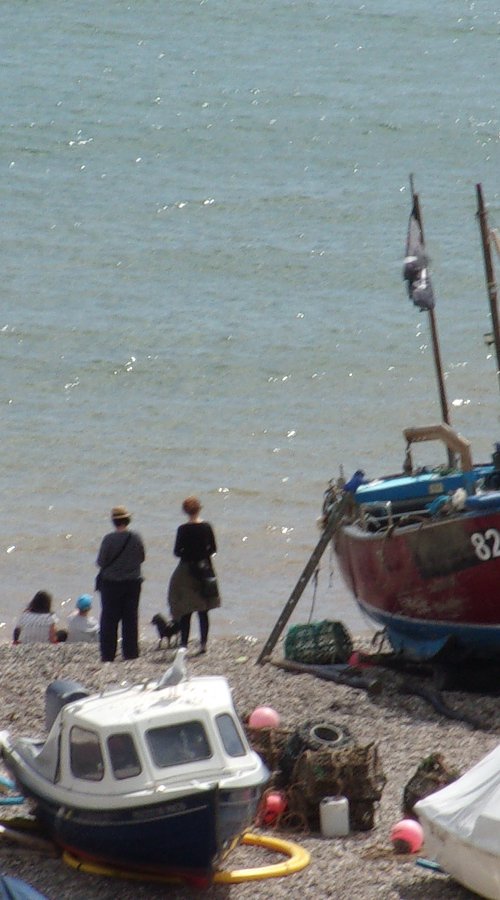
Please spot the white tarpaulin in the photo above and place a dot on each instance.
(461, 824)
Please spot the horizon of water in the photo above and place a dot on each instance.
(204, 218)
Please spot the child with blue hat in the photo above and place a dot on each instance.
(81, 625)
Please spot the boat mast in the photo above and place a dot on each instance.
(434, 333)
(489, 271)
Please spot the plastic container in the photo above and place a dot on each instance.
(334, 816)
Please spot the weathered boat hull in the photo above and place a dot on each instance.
(429, 583)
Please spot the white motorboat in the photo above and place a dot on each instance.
(158, 777)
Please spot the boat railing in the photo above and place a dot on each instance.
(379, 516)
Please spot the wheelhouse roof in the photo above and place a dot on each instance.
(150, 706)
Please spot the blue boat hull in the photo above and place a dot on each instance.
(183, 836)
(424, 640)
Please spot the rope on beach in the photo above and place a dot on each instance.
(436, 700)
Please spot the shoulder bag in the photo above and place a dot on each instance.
(203, 571)
(99, 576)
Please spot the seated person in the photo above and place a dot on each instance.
(37, 624)
(81, 625)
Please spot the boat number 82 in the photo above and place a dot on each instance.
(487, 545)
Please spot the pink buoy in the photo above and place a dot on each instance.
(274, 804)
(264, 717)
(407, 836)
(357, 661)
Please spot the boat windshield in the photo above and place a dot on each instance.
(85, 754)
(233, 745)
(123, 755)
(174, 745)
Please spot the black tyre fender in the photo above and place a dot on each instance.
(312, 735)
(324, 736)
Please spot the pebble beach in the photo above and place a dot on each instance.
(362, 865)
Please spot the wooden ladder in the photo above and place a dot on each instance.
(332, 524)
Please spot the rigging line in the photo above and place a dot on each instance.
(315, 591)
(332, 567)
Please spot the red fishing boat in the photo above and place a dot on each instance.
(420, 550)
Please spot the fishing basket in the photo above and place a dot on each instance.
(354, 772)
(270, 744)
(318, 760)
(318, 643)
(312, 735)
(431, 775)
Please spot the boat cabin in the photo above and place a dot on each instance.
(142, 739)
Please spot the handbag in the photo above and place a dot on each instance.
(203, 571)
(209, 587)
(99, 577)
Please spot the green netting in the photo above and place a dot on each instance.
(431, 775)
(319, 643)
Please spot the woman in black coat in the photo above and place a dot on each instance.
(193, 585)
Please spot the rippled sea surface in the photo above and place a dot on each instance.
(204, 211)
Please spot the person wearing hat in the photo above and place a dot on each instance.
(119, 581)
(81, 625)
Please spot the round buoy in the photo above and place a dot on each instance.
(407, 836)
(273, 805)
(264, 717)
(358, 660)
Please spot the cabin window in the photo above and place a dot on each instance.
(174, 745)
(123, 755)
(233, 745)
(85, 755)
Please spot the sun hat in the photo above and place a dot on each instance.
(120, 512)
(84, 602)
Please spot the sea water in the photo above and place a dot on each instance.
(204, 212)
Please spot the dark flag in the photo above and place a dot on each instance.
(415, 271)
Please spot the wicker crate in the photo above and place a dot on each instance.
(354, 772)
(269, 743)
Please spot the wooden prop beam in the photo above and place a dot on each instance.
(308, 572)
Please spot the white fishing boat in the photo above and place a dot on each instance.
(158, 777)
